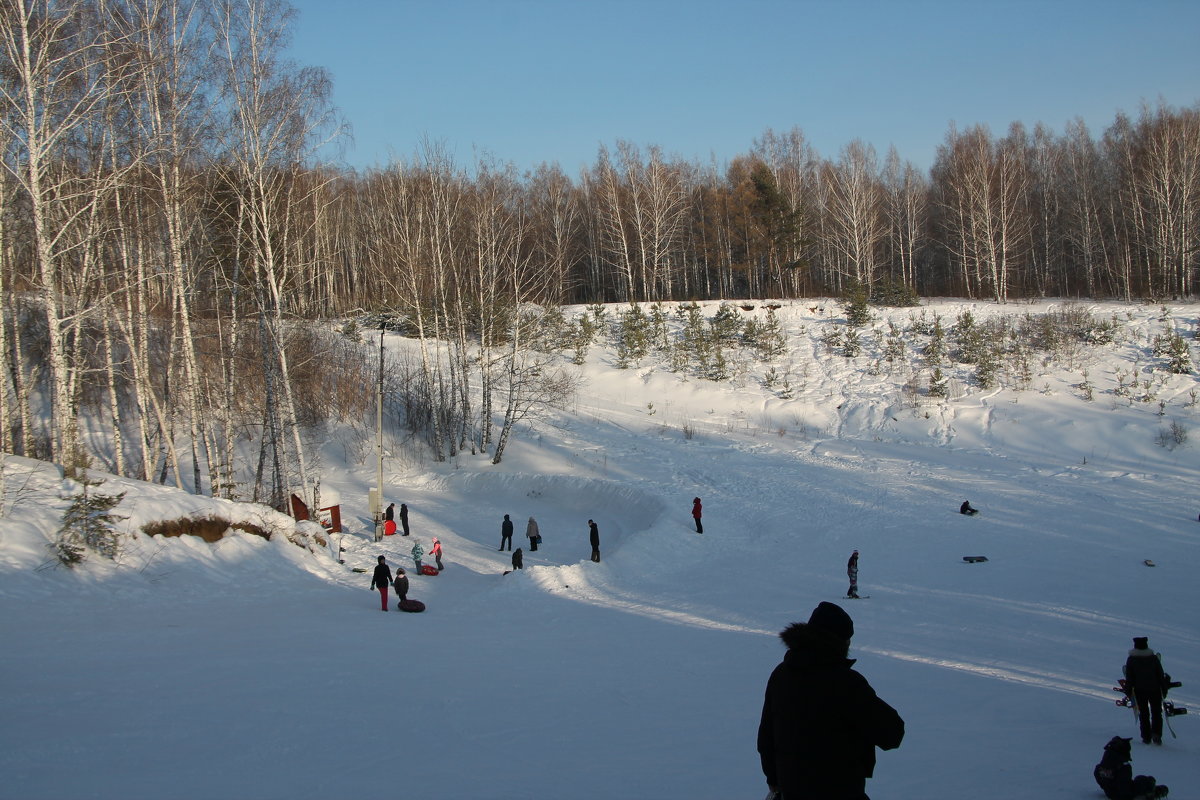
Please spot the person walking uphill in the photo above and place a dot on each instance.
(532, 534)
(594, 538)
(506, 532)
(696, 510)
(821, 720)
(1145, 679)
(380, 580)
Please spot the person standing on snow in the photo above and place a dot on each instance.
(404, 517)
(1145, 680)
(506, 532)
(390, 514)
(401, 585)
(380, 580)
(696, 508)
(418, 553)
(518, 560)
(437, 553)
(594, 538)
(532, 534)
(821, 720)
(852, 573)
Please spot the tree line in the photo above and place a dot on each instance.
(170, 239)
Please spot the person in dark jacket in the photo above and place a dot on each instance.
(594, 538)
(1114, 774)
(965, 508)
(821, 720)
(506, 532)
(390, 514)
(401, 585)
(518, 559)
(1146, 681)
(696, 511)
(852, 574)
(380, 580)
(404, 517)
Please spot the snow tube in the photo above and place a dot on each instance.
(412, 606)
(389, 528)
(426, 569)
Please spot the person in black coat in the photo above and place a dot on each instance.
(506, 532)
(594, 538)
(821, 720)
(401, 584)
(965, 508)
(389, 515)
(1114, 774)
(380, 580)
(404, 517)
(518, 559)
(1146, 681)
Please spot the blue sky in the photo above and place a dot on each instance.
(529, 81)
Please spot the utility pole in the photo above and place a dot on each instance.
(376, 498)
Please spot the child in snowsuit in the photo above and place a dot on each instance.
(401, 584)
(852, 573)
(418, 553)
(1115, 774)
(380, 580)
(517, 559)
(437, 553)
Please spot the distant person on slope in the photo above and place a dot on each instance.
(1146, 681)
(852, 573)
(404, 517)
(821, 720)
(965, 508)
(696, 510)
(380, 580)
(594, 538)
(532, 534)
(437, 553)
(518, 560)
(506, 532)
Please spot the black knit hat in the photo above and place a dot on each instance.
(1141, 643)
(833, 620)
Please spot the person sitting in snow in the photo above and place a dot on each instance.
(965, 508)
(418, 553)
(380, 580)
(1114, 773)
(437, 553)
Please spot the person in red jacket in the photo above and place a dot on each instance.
(436, 551)
(696, 508)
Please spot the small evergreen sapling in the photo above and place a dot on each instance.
(88, 524)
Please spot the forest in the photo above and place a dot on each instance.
(182, 265)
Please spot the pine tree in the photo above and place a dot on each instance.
(88, 524)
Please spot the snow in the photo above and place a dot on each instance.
(255, 668)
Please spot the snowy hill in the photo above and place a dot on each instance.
(256, 668)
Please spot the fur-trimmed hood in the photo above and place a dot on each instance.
(809, 645)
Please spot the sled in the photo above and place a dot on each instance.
(1148, 563)
(426, 569)
(389, 528)
(411, 606)
(974, 559)
(358, 569)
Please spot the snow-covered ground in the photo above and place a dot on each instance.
(258, 669)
